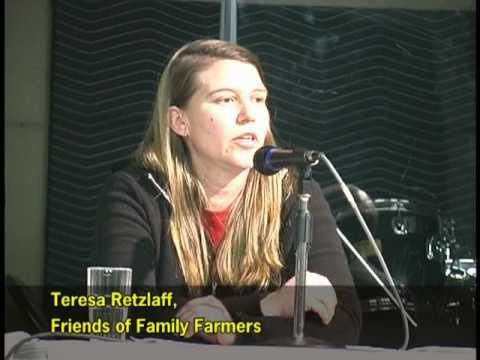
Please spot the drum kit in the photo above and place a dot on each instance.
(420, 247)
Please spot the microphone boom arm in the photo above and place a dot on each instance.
(360, 218)
(369, 269)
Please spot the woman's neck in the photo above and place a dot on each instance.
(221, 189)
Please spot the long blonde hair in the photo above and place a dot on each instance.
(250, 252)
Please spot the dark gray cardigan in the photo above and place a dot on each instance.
(132, 231)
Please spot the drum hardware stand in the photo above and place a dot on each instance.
(446, 246)
(443, 244)
(430, 254)
(448, 242)
(399, 224)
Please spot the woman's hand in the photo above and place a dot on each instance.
(210, 308)
(320, 297)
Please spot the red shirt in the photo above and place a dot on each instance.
(214, 222)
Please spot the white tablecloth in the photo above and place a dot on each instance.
(169, 350)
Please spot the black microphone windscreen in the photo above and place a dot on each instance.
(260, 162)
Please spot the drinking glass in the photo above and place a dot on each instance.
(102, 281)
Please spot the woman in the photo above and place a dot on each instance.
(191, 213)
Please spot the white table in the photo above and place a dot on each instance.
(169, 350)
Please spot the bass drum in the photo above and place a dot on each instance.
(401, 229)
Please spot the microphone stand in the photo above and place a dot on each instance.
(304, 239)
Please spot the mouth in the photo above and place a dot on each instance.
(247, 136)
(246, 140)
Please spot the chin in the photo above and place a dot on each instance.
(246, 166)
(241, 160)
(243, 164)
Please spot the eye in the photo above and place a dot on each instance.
(226, 99)
(260, 99)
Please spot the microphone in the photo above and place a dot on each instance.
(269, 159)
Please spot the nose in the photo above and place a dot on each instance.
(247, 112)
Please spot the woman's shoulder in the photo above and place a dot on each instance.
(311, 187)
(138, 179)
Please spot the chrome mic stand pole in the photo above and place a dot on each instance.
(304, 238)
(303, 229)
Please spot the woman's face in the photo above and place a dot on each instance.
(226, 120)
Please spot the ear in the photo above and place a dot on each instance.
(177, 121)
